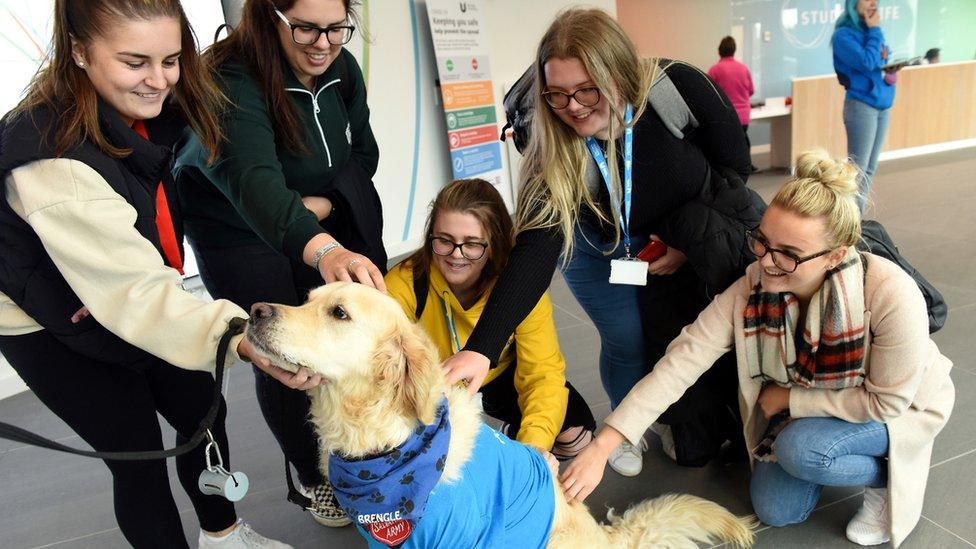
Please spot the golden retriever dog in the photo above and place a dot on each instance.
(384, 382)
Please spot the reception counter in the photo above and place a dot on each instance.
(934, 109)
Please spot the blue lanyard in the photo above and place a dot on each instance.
(451, 327)
(601, 162)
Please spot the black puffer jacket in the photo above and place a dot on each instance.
(711, 230)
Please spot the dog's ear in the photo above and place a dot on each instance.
(408, 366)
(423, 382)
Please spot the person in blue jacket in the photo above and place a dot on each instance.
(859, 55)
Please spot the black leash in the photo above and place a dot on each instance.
(234, 327)
(294, 495)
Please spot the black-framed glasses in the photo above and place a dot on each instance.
(306, 35)
(784, 260)
(584, 96)
(470, 250)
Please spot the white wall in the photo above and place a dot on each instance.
(684, 30)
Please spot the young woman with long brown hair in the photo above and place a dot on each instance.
(289, 201)
(92, 313)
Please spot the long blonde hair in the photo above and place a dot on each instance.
(556, 159)
(825, 187)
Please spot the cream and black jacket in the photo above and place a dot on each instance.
(81, 230)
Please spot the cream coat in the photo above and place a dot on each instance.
(907, 386)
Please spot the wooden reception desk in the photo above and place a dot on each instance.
(934, 105)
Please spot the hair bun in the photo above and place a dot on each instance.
(839, 176)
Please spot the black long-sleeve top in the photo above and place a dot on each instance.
(667, 173)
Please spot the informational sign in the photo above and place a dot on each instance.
(460, 47)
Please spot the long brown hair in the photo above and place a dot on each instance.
(67, 92)
(255, 42)
(480, 199)
(556, 159)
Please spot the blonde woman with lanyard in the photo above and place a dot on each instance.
(599, 216)
(840, 384)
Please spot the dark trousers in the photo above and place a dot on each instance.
(113, 409)
(500, 401)
(247, 275)
(745, 130)
(707, 414)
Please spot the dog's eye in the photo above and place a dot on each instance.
(339, 313)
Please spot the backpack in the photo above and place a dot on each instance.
(421, 284)
(664, 98)
(875, 239)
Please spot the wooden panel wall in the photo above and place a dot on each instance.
(933, 104)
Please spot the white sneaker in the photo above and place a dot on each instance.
(627, 459)
(871, 525)
(667, 439)
(243, 537)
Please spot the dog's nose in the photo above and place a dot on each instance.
(260, 311)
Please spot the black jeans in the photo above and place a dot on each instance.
(247, 275)
(113, 408)
(500, 401)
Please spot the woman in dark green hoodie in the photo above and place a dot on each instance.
(289, 202)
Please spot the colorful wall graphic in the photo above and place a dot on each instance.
(460, 45)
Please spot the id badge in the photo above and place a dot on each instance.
(629, 270)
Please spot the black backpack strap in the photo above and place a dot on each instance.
(223, 26)
(421, 285)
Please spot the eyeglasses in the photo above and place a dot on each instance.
(584, 96)
(784, 260)
(306, 35)
(470, 250)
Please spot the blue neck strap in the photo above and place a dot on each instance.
(451, 326)
(601, 163)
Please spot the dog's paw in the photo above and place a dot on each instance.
(376, 497)
(366, 475)
(405, 506)
(392, 457)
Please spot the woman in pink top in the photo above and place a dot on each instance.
(735, 80)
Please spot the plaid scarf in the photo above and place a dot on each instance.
(829, 354)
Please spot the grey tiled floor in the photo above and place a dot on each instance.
(928, 203)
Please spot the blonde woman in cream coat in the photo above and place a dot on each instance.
(892, 392)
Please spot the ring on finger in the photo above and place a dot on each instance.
(352, 263)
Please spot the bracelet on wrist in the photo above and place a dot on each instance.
(322, 251)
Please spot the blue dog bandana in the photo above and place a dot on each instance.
(387, 494)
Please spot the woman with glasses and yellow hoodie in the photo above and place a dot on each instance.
(468, 237)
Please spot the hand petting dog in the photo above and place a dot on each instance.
(302, 380)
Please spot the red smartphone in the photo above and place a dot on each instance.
(654, 250)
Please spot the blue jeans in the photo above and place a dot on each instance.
(613, 308)
(866, 129)
(812, 453)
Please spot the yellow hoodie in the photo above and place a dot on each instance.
(540, 375)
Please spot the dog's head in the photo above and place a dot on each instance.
(360, 341)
